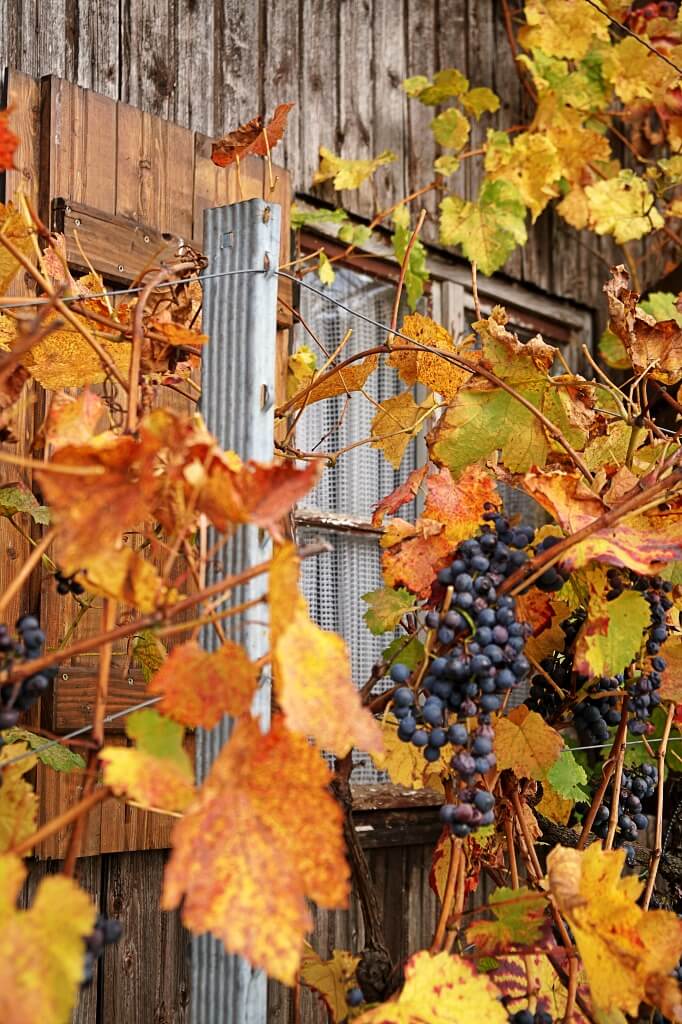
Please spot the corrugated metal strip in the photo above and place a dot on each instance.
(237, 402)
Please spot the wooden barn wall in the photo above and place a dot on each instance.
(211, 64)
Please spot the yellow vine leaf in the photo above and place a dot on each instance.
(348, 173)
(397, 421)
(561, 28)
(403, 762)
(331, 978)
(315, 688)
(18, 799)
(64, 359)
(623, 207)
(301, 369)
(199, 687)
(264, 835)
(440, 989)
(12, 226)
(526, 744)
(157, 772)
(41, 949)
(628, 953)
(451, 129)
(480, 100)
(637, 74)
(671, 686)
(489, 229)
(346, 381)
(516, 976)
(125, 575)
(428, 368)
(530, 162)
(612, 635)
(447, 84)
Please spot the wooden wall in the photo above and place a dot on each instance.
(211, 64)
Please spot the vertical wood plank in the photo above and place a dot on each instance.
(281, 28)
(389, 113)
(355, 108)
(422, 150)
(148, 74)
(239, 62)
(319, 88)
(193, 97)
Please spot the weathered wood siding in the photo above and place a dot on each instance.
(211, 64)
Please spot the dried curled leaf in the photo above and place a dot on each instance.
(71, 419)
(650, 344)
(264, 812)
(249, 138)
(628, 953)
(403, 494)
(331, 978)
(41, 949)
(199, 687)
(344, 382)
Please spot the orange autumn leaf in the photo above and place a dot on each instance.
(430, 369)
(177, 335)
(403, 494)
(536, 609)
(72, 419)
(343, 382)
(641, 541)
(414, 554)
(264, 836)
(42, 948)
(526, 744)
(8, 142)
(628, 953)
(653, 345)
(284, 597)
(249, 138)
(460, 505)
(199, 687)
(315, 689)
(257, 492)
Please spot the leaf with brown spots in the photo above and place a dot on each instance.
(198, 687)
(414, 554)
(653, 345)
(264, 835)
(397, 421)
(459, 505)
(343, 382)
(430, 369)
(526, 744)
(671, 685)
(403, 494)
(249, 138)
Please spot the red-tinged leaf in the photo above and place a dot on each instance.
(520, 921)
(440, 989)
(315, 688)
(535, 608)
(199, 687)
(414, 554)
(42, 948)
(526, 744)
(671, 686)
(440, 862)
(403, 494)
(516, 976)
(613, 633)
(8, 142)
(643, 542)
(459, 506)
(653, 345)
(72, 419)
(249, 138)
(264, 835)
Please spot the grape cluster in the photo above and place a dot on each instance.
(68, 584)
(17, 698)
(642, 691)
(593, 718)
(636, 787)
(526, 1017)
(478, 658)
(106, 932)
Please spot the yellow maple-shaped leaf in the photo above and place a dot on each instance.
(440, 989)
(315, 688)
(553, 805)
(561, 28)
(331, 978)
(451, 129)
(41, 949)
(12, 226)
(530, 162)
(157, 772)
(428, 368)
(123, 574)
(65, 359)
(578, 147)
(638, 74)
(199, 687)
(348, 173)
(396, 422)
(264, 835)
(72, 419)
(623, 207)
(18, 799)
(344, 382)
(627, 952)
(526, 744)
(480, 100)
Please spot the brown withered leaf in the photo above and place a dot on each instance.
(199, 687)
(248, 139)
(404, 493)
(344, 382)
(264, 812)
(648, 342)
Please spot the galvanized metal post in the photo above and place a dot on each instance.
(237, 402)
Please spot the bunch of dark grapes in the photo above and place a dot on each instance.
(526, 1017)
(106, 932)
(642, 691)
(636, 787)
(593, 717)
(68, 584)
(554, 577)
(478, 659)
(15, 698)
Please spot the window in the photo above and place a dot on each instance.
(340, 507)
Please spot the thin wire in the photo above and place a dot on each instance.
(634, 35)
(39, 301)
(77, 732)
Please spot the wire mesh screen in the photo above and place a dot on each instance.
(334, 584)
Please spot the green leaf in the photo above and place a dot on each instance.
(446, 84)
(612, 351)
(58, 757)
(566, 776)
(149, 652)
(157, 735)
(386, 608)
(613, 634)
(480, 101)
(400, 653)
(520, 921)
(488, 230)
(17, 497)
(661, 306)
(326, 272)
(354, 234)
(451, 129)
(301, 218)
(672, 572)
